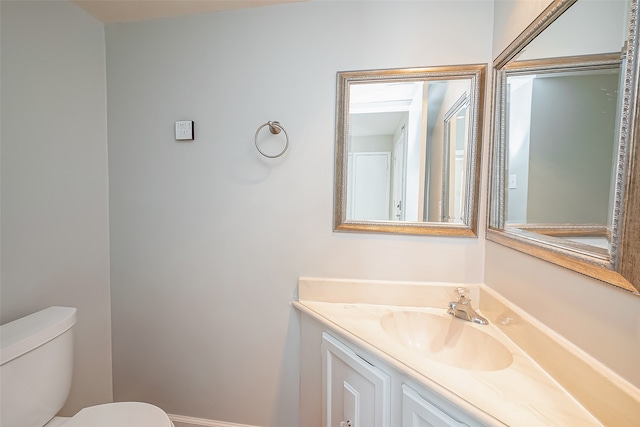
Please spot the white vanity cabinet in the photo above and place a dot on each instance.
(355, 393)
(358, 390)
(419, 412)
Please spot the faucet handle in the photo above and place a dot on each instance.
(463, 295)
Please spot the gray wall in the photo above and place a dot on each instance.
(54, 215)
(208, 238)
(600, 319)
(571, 149)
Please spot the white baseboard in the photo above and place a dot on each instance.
(183, 421)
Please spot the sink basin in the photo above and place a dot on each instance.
(447, 340)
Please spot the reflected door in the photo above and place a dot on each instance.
(370, 173)
(399, 181)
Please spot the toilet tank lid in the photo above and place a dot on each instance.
(32, 331)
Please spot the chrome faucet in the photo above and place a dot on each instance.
(462, 308)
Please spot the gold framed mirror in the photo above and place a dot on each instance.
(407, 144)
(564, 175)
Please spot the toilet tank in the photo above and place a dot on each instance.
(36, 355)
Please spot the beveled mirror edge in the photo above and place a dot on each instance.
(415, 228)
(586, 265)
(569, 63)
(477, 73)
(623, 271)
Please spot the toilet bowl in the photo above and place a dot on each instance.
(36, 366)
(115, 414)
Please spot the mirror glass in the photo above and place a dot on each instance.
(560, 137)
(406, 150)
(560, 157)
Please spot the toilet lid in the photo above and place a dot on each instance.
(122, 414)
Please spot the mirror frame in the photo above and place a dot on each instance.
(621, 265)
(468, 228)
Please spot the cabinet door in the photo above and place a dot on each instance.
(417, 412)
(355, 393)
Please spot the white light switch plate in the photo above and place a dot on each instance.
(184, 130)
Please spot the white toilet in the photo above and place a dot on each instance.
(36, 367)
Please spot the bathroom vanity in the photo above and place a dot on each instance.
(360, 389)
(387, 354)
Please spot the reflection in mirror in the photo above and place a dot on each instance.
(453, 149)
(406, 150)
(562, 140)
(560, 135)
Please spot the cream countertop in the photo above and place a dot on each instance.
(522, 394)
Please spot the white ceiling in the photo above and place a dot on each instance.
(110, 11)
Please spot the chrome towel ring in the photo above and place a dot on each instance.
(275, 128)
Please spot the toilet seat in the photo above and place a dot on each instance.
(121, 414)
